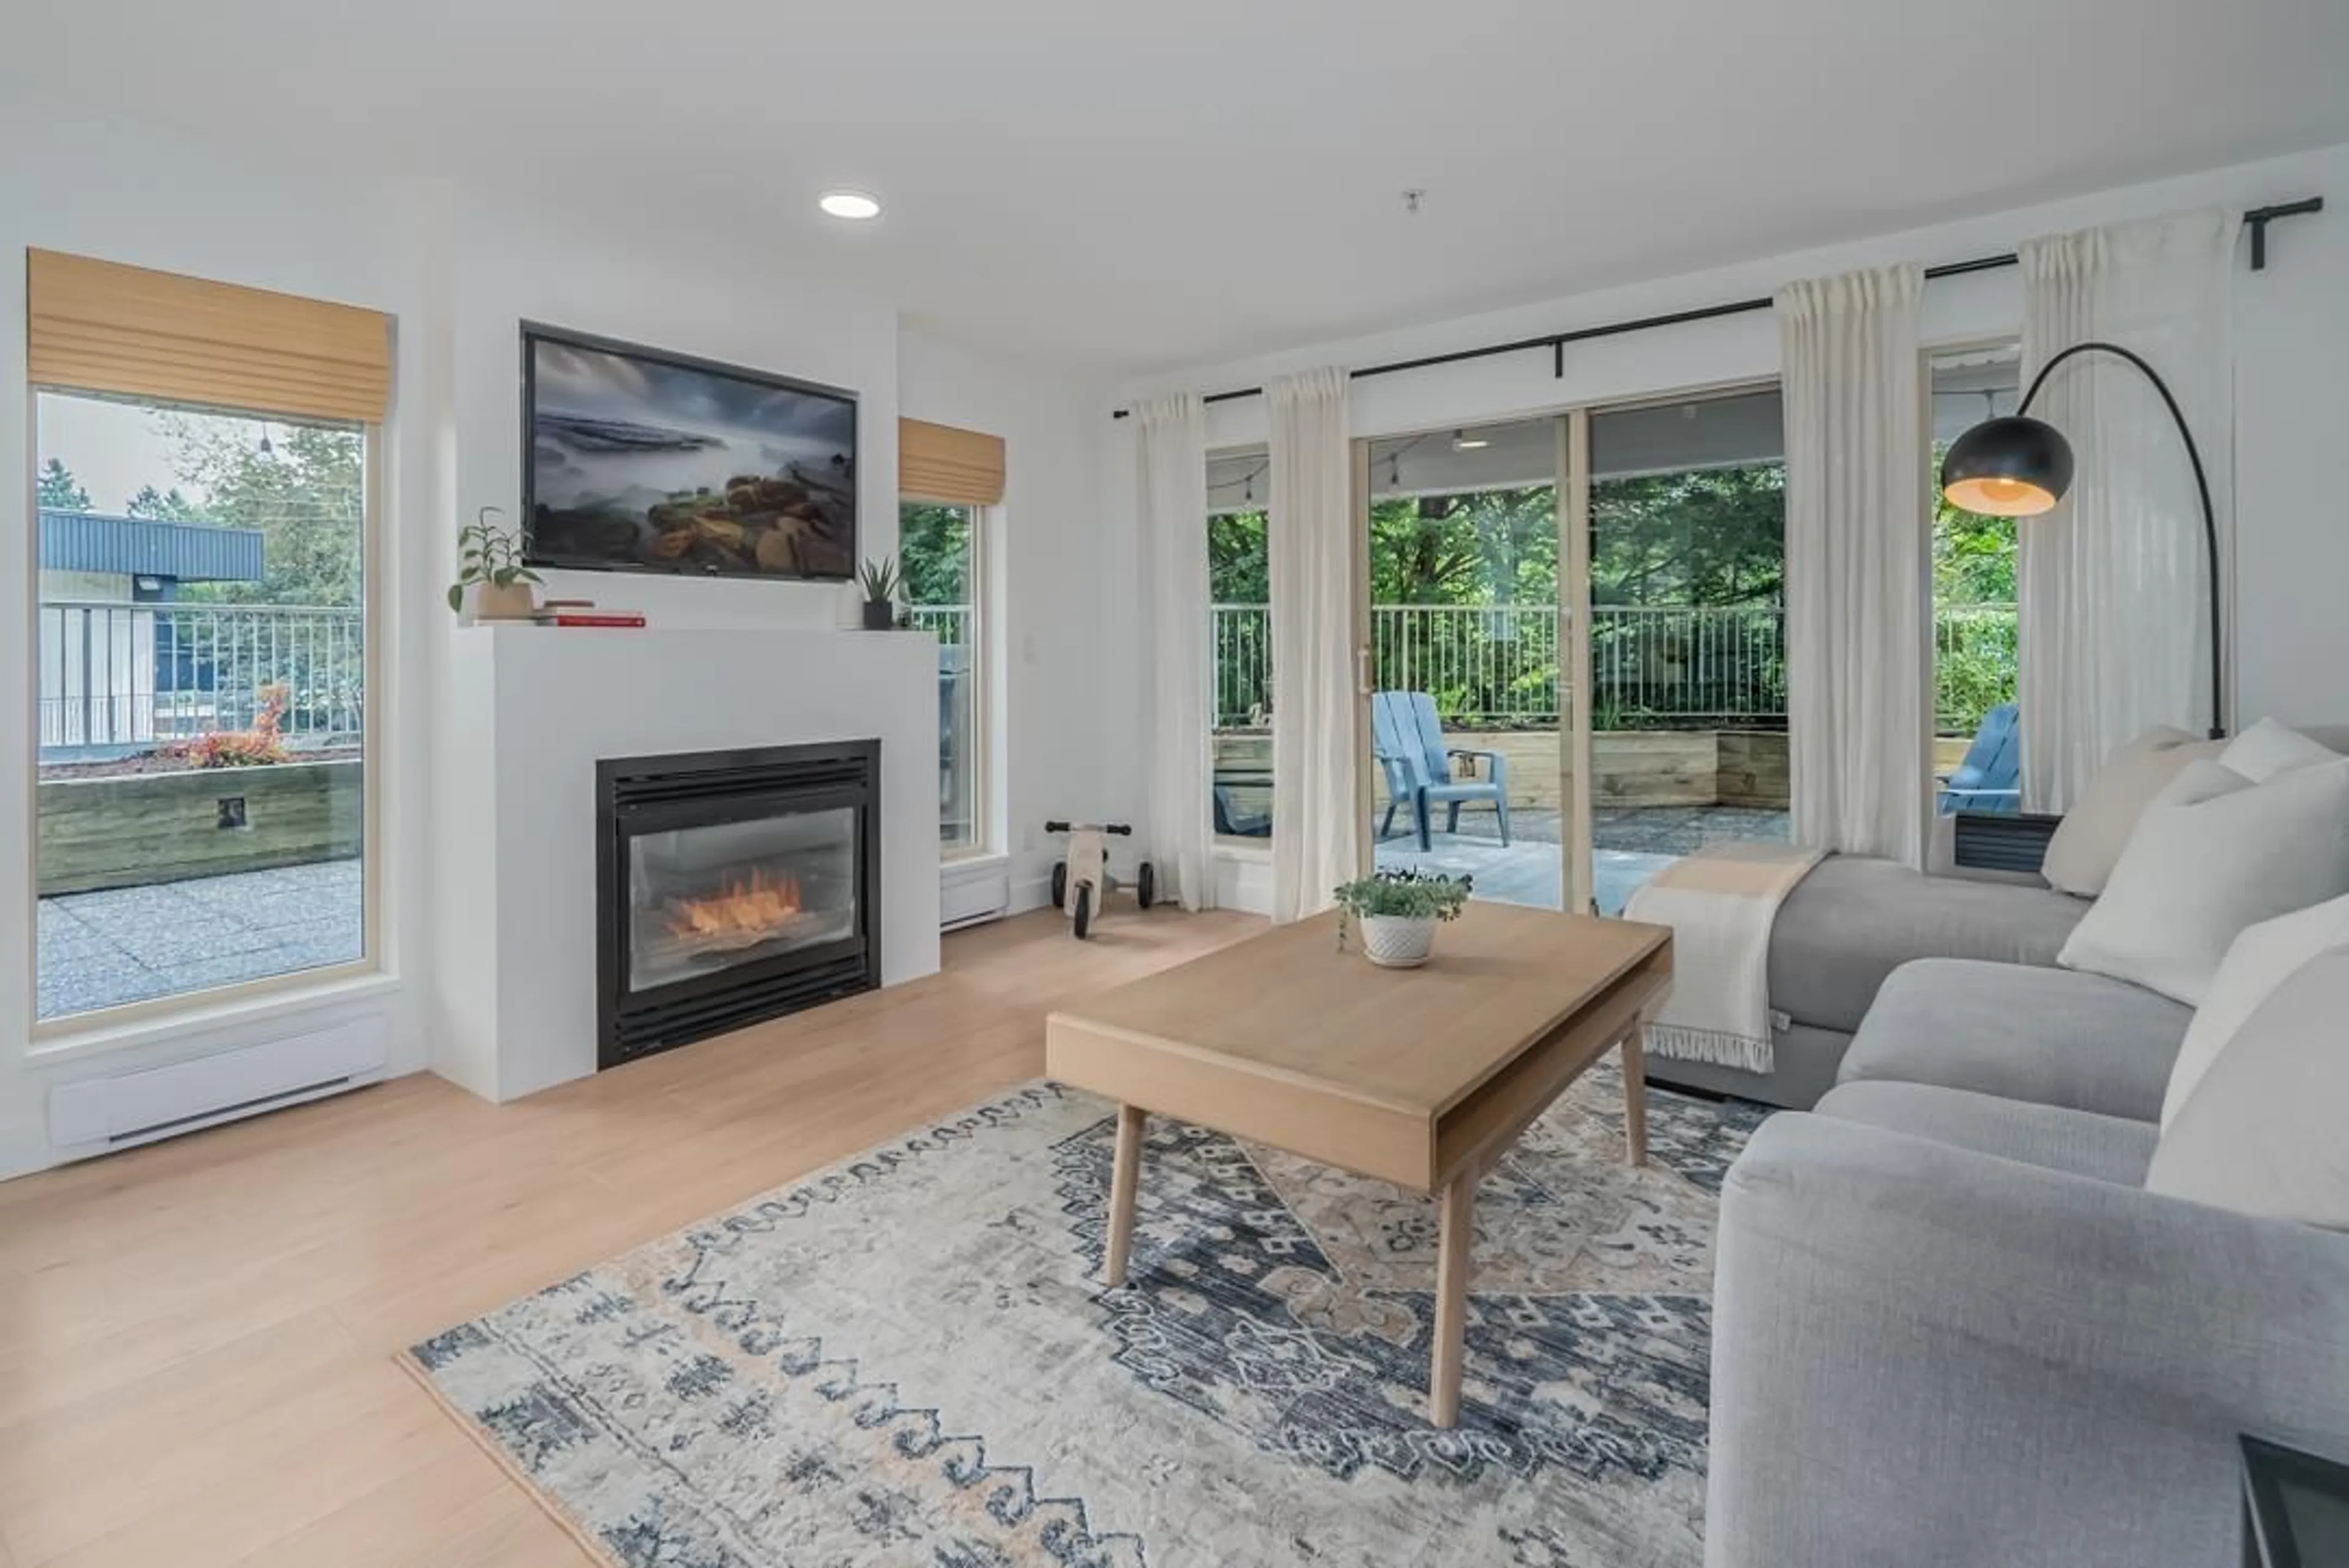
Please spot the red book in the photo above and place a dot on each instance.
(606, 618)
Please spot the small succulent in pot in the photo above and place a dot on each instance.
(1397, 911)
(881, 581)
(490, 561)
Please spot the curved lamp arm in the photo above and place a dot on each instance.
(2201, 485)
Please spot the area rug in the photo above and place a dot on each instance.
(905, 1360)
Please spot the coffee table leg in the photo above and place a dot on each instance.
(1455, 1241)
(1124, 1175)
(1635, 1096)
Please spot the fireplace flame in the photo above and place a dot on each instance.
(748, 910)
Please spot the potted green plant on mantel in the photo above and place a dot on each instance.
(1397, 913)
(881, 580)
(489, 562)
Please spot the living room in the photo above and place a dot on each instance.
(581, 994)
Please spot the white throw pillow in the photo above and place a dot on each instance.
(2269, 748)
(2261, 1134)
(2088, 841)
(2213, 855)
(2263, 957)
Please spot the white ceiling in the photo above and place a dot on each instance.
(1134, 187)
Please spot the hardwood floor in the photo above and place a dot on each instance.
(196, 1337)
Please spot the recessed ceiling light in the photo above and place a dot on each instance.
(854, 205)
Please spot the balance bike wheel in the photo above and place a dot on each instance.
(1059, 884)
(1080, 917)
(1146, 885)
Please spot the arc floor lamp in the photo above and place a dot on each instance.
(2016, 466)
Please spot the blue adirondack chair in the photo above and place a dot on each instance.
(1990, 777)
(1407, 738)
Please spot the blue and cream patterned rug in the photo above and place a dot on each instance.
(904, 1359)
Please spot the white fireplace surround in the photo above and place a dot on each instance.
(515, 835)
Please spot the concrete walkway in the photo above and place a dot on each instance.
(134, 943)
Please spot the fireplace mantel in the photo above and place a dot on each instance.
(533, 709)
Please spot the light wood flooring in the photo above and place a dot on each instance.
(196, 1338)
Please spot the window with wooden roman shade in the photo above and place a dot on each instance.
(941, 463)
(101, 326)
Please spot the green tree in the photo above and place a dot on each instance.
(58, 490)
(1704, 536)
(169, 506)
(302, 487)
(1239, 566)
(934, 553)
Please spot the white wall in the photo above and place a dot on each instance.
(129, 195)
(1055, 650)
(2290, 635)
(459, 272)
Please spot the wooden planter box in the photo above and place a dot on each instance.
(208, 821)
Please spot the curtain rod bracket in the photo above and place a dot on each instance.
(1557, 360)
(2258, 219)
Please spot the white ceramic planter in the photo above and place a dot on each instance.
(1396, 941)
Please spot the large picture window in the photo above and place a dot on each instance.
(1977, 741)
(201, 815)
(940, 547)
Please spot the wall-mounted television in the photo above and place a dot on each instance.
(638, 460)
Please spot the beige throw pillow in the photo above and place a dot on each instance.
(2089, 840)
(2269, 748)
(2262, 958)
(2261, 1133)
(2214, 854)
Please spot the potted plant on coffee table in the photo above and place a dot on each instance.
(1397, 913)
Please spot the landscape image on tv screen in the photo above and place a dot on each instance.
(641, 462)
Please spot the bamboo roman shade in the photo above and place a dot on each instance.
(940, 462)
(101, 326)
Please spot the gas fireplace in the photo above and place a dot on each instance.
(733, 886)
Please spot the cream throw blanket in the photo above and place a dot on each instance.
(1720, 902)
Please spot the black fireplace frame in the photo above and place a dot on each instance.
(638, 795)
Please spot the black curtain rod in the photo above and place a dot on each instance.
(2257, 221)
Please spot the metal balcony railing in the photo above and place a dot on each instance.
(122, 675)
(1496, 666)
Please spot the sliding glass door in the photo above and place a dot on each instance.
(1470, 702)
(1575, 654)
(1687, 531)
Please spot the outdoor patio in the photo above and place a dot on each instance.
(132, 944)
(1631, 845)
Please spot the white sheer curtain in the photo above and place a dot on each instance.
(1857, 588)
(1315, 835)
(1171, 482)
(2116, 624)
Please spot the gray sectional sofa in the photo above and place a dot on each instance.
(1849, 925)
(1952, 1328)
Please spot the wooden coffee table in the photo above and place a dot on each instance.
(1423, 1077)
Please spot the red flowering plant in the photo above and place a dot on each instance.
(256, 748)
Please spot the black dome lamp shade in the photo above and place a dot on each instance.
(2016, 466)
(2012, 467)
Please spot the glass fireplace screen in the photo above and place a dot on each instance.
(701, 900)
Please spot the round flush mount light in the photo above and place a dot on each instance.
(856, 206)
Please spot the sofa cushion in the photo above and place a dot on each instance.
(2262, 958)
(2051, 1036)
(2214, 853)
(1854, 920)
(2089, 840)
(2261, 1133)
(2107, 1148)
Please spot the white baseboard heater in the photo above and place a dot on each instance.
(97, 1115)
(969, 895)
